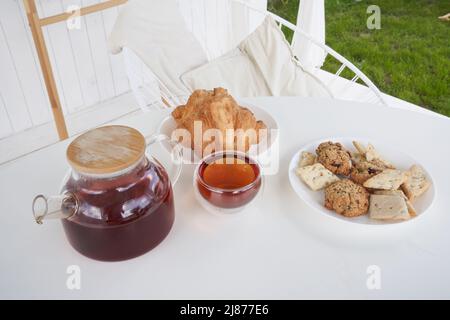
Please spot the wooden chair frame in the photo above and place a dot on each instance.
(36, 24)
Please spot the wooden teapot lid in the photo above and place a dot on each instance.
(106, 150)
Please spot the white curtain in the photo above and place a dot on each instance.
(311, 18)
(220, 25)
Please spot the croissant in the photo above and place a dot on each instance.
(219, 111)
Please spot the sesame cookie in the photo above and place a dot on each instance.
(334, 157)
(347, 198)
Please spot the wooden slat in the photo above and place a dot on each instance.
(83, 11)
(46, 67)
(58, 42)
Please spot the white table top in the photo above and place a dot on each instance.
(278, 248)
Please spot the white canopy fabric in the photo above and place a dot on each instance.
(220, 25)
(311, 18)
(262, 65)
(174, 36)
(156, 32)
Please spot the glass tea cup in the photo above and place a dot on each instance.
(227, 181)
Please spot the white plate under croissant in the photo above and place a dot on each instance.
(168, 125)
(315, 199)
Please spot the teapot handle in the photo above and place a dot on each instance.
(176, 154)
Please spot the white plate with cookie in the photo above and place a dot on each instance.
(398, 189)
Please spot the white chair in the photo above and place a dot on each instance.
(218, 30)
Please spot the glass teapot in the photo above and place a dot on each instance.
(117, 201)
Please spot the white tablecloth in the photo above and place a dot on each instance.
(278, 248)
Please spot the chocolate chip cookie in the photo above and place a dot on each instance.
(334, 157)
(347, 198)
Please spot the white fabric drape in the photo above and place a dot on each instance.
(262, 65)
(173, 36)
(220, 25)
(155, 32)
(311, 18)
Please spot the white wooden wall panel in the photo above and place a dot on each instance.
(11, 88)
(83, 58)
(22, 54)
(85, 72)
(220, 25)
(99, 50)
(5, 123)
(212, 20)
(120, 78)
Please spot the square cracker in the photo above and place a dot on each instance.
(371, 155)
(389, 179)
(306, 159)
(357, 157)
(412, 212)
(316, 176)
(360, 147)
(388, 207)
(416, 184)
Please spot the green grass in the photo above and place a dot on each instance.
(409, 57)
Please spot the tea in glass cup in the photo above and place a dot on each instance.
(227, 180)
